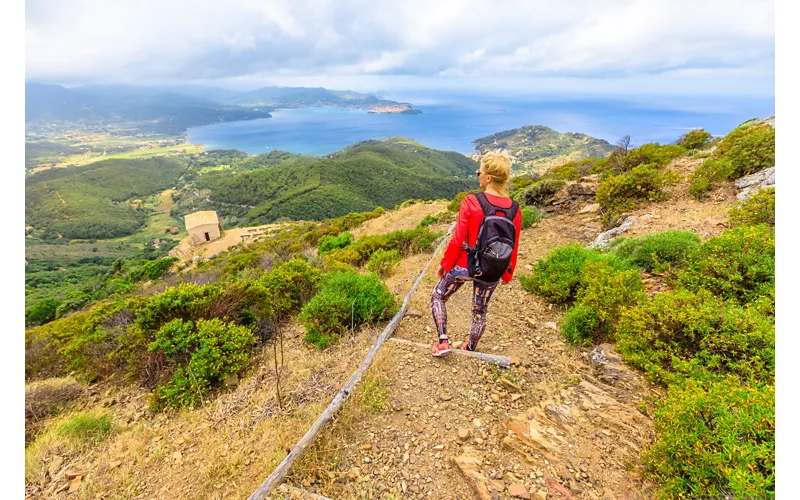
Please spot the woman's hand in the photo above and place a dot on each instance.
(441, 272)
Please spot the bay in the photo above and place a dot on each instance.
(451, 121)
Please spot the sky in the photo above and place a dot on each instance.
(604, 46)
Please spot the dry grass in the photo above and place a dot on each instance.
(223, 449)
(405, 218)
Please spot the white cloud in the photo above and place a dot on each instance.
(175, 40)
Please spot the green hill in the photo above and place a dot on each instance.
(89, 202)
(539, 146)
(358, 178)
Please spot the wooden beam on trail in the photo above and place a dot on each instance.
(300, 494)
(324, 419)
(494, 359)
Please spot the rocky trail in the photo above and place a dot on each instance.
(562, 422)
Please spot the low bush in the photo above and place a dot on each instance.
(432, 219)
(656, 252)
(329, 243)
(749, 149)
(523, 181)
(603, 292)
(542, 191)
(382, 262)
(345, 301)
(42, 312)
(682, 334)
(714, 440)
(696, 139)
(738, 265)
(455, 205)
(654, 155)
(406, 242)
(574, 170)
(237, 263)
(746, 150)
(618, 193)
(201, 354)
(706, 175)
(290, 285)
(759, 208)
(530, 216)
(558, 276)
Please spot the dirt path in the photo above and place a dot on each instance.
(456, 427)
(567, 423)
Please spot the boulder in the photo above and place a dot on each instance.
(749, 184)
(605, 238)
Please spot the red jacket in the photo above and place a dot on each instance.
(470, 216)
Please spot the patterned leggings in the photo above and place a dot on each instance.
(481, 293)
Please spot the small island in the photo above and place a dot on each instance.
(397, 109)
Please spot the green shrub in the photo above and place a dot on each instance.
(656, 252)
(345, 301)
(695, 139)
(746, 150)
(290, 285)
(523, 181)
(383, 261)
(345, 255)
(574, 170)
(738, 265)
(203, 354)
(749, 149)
(241, 261)
(186, 301)
(530, 216)
(542, 191)
(406, 242)
(652, 154)
(455, 205)
(558, 276)
(42, 312)
(681, 333)
(706, 175)
(759, 208)
(86, 428)
(431, 219)
(154, 269)
(329, 243)
(714, 440)
(603, 292)
(579, 323)
(618, 193)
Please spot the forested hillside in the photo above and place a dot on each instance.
(87, 202)
(358, 178)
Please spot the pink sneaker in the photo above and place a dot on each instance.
(440, 349)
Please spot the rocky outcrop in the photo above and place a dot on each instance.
(750, 184)
(605, 238)
(573, 196)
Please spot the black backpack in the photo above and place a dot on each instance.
(489, 259)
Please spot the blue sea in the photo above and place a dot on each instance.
(452, 121)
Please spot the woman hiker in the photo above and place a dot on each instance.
(454, 269)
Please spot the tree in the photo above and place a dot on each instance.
(623, 144)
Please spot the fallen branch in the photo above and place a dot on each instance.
(495, 359)
(307, 440)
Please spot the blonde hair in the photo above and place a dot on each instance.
(498, 165)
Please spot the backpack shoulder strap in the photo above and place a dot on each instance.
(491, 209)
(511, 212)
(486, 206)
